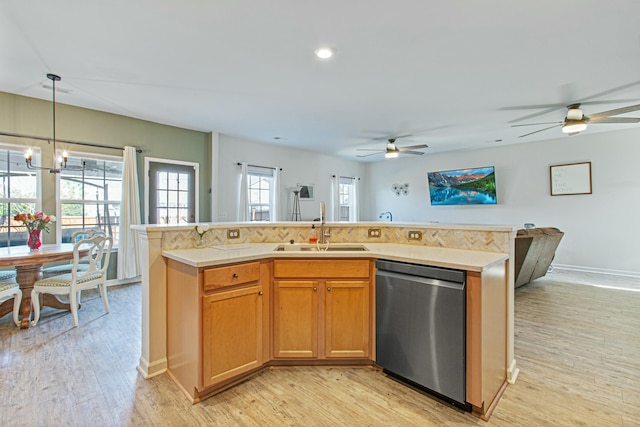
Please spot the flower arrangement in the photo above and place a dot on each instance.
(201, 230)
(37, 221)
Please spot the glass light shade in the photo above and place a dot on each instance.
(574, 126)
(391, 154)
(324, 53)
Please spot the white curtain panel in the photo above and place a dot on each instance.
(276, 195)
(128, 264)
(243, 190)
(355, 204)
(335, 197)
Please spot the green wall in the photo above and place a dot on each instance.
(30, 116)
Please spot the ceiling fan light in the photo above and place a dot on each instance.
(391, 154)
(324, 52)
(572, 126)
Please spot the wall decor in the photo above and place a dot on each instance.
(475, 186)
(570, 179)
(306, 192)
(400, 189)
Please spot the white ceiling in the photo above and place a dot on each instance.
(449, 72)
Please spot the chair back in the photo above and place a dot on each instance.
(85, 234)
(98, 257)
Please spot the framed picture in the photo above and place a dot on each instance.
(570, 179)
(306, 192)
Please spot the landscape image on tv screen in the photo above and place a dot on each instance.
(463, 187)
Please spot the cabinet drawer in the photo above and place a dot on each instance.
(220, 277)
(313, 269)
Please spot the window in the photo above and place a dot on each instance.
(90, 197)
(17, 195)
(347, 198)
(260, 182)
(172, 190)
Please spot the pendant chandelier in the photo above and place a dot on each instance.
(60, 162)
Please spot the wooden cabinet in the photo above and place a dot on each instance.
(217, 324)
(347, 318)
(295, 318)
(231, 333)
(322, 309)
(486, 338)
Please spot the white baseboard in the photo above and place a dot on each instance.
(118, 282)
(581, 269)
(512, 372)
(150, 370)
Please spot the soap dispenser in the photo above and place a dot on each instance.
(313, 238)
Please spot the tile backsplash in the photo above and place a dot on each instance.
(469, 238)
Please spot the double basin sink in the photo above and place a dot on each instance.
(322, 248)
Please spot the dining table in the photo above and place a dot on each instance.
(28, 264)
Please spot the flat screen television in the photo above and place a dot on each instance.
(463, 187)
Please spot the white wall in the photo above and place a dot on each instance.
(601, 229)
(298, 166)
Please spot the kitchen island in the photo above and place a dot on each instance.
(488, 278)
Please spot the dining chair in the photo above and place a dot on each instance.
(10, 290)
(58, 269)
(72, 284)
(7, 275)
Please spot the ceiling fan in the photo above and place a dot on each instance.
(392, 151)
(575, 121)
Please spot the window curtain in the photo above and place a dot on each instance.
(355, 201)
(129, 215)
(335, 198)
(243, 185)
(275, 195)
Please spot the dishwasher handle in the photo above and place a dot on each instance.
(446, 274)
(428, 281)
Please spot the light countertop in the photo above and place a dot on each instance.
(427, 255)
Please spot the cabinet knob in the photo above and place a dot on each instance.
(315, 289)
(328, 289)
(235, 275)
(260, 293)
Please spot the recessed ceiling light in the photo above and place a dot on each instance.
(324, 53)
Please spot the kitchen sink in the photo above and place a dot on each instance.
(322, 248)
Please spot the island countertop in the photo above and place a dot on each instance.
(440, 257)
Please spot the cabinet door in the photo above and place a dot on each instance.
(232, 333)
(347, 318)
(295, 319)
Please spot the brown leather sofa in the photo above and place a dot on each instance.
(535, 249)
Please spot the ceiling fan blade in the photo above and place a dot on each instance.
(536, 124)
(549, 108)
(413, 147)
(616, 120)
(367, 155)
(615, 112)
(541, 130)
(612, 90)
(370, 149)
(416, 153)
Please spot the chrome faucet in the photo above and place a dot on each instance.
(323, 234)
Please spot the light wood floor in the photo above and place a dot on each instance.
(578, 348)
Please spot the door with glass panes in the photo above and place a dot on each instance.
(172, 193)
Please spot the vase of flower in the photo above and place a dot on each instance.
(35, 240)
(201, 230)
(35, 223)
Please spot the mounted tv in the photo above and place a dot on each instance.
(475, 186)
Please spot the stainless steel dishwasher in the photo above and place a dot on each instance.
(420, 328)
